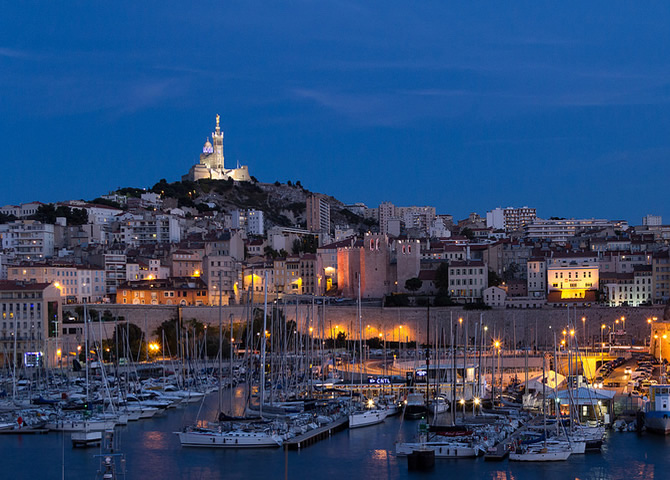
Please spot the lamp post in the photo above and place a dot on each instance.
(660, 345)
(584, 340)
(602, 344)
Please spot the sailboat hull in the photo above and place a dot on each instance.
(366, 418)
(213, 439)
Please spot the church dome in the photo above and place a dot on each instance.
(208, 147)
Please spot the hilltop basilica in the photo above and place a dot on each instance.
(211, 162)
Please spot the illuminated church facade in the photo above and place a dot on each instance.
(211, 164)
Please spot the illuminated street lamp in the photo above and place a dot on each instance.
(661, 355)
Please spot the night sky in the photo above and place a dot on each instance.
(564, 106)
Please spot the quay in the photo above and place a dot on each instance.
(313, 436)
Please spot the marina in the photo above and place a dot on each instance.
(359, 453)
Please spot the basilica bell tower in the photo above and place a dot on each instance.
(217, 140)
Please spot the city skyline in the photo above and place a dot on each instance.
(459, 107)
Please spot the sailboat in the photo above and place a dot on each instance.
(89, 428)
(368, 414)
(230, 434)
(541, 452)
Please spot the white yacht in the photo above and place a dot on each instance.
(233, 438)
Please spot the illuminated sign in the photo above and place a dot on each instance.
(378, 381)
(32, 359)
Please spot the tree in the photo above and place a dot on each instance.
(130, 340)
(296, 247)
(494, 279)
(443, 300)
(413, 284)
(442, 278)
(49, 213)
(4, 218)
(341, 340)
(511, 272)
(467, 232)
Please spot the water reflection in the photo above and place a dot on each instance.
(153, 450)
(155, 440)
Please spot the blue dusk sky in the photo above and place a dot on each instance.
(564, 106)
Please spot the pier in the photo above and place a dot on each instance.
(313, 436)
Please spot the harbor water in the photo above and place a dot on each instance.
(153, 451)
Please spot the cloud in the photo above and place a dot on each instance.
(18, 54)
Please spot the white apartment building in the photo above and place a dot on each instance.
(27, 240)
(255, 223)
(467, 280)
(631, 289)
(75, 283)
(510, 219)
(385, 212)
(536, 274)
(652, 220)
(150, 228)
(562, 230)
(412, 217)
(32, 315)
(318, 214)
(97, 214)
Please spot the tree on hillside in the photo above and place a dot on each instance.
(49, 213)
(4, 218)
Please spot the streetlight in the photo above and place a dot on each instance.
(661, 355)
(623, 320)
(584, 329)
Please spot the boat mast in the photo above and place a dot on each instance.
(360, 336)
(221, 346)
(427, 354)
(263, 341)
(231, 364)
(86, 345)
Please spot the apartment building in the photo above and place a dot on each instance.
(170, 291)
(31, 316)
(467, 280)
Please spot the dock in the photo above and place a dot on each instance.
(502, 449)
(313, 436)
(500, 454)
